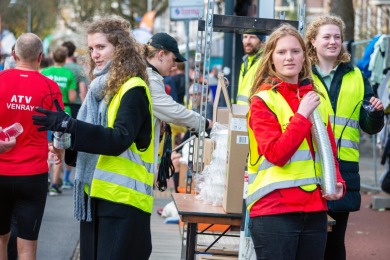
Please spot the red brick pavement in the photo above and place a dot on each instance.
(368, 232)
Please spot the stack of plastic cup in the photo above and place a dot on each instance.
(12, 131)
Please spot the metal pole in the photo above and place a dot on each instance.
(1, 32)
(302, 17)
(28, 17)
(187, 68)
(229, 53)
(375, 160)
(149, 5)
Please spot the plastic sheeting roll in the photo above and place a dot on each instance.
(324, 149)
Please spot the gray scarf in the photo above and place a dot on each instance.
(94, 111)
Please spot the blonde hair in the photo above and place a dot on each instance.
(150, 51)
(127, 61)
(266, 71)
(312, 32)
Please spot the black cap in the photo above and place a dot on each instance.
(166, 42)
(259, 35)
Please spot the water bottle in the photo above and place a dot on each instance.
(61, 140)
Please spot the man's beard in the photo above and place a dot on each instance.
(254, 50)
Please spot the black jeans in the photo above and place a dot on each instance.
(297, 235)
(335, 244)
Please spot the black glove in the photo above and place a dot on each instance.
(56, 121)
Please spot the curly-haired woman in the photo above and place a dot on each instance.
(345, 88)
(113, 135)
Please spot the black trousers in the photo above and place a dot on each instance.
(289, 236)
(335, 244)
(116, 232)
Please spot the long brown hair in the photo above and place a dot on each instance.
(312, 32)
(266, 70)
(127, 60)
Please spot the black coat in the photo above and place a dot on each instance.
(371, 123)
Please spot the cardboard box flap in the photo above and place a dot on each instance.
(240, 110)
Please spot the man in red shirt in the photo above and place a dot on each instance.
(24, 168)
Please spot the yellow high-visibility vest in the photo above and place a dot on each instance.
(246, 78)
(127, 178)
(302, 170)
(345, 122)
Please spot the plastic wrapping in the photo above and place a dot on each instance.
(209, 184)
(324, 149)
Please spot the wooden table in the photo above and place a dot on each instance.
(194, 211)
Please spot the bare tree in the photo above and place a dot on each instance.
(128, 9)
(43, 20)
(3, 6)
(344, 9)
(45, 13)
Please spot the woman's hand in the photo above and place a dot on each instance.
(336, 196)
(308, 104)
(376, 103)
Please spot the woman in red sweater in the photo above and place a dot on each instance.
(286, 203)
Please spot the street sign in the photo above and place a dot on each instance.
(185, 9)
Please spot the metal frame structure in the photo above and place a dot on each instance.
(227, 24)
(217, 23)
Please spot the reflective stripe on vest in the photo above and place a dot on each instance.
(348, 144)
(299, 155)
(245, 83)
(301, 170)
(255, 196)
(243, 100)
(128, 154)
(122, 180)
(127, 178)
(345, 122)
